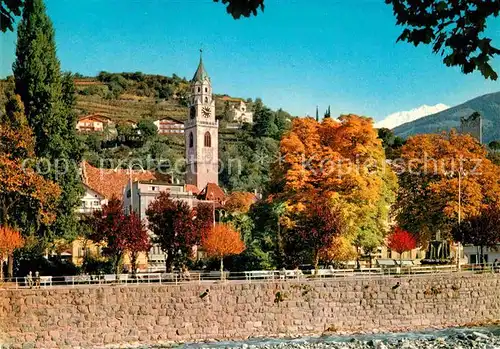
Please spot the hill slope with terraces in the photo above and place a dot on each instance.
(134, 96)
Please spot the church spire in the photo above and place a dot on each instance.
(200, 74)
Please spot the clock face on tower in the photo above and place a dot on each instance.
(206, 112)
(192, 112)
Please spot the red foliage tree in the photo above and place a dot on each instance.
(120, 233)
(318, 226)
(177, 228)
(106, 228)
(134, 238)
(401, 241)
(482, 230)
(204, 214)
(222, 241)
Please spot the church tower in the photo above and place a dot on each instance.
(201, 131)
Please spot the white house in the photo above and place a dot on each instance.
(473, 254)
(91, 201)
(240, 113)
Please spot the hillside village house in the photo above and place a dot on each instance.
(91, 201)
(169, 125)
(92, 123)
(240, 114)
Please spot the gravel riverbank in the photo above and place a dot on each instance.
(481, 338)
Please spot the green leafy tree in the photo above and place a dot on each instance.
(494, 145)
(264, 125)
(49, 100)
(147, 128)
(387, 137)
(282, 122)
(482, 230)
(328, 113)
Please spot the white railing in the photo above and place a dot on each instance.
(200, 277)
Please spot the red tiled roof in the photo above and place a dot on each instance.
(98, 117)
(213, 192)
(111, 182)
(192, 188)
(171, 119)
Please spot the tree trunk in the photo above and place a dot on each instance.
(358, 264)
(10, 266)
(118, 258)
(222, 268)
(279, 238)
(1, 268)
(133, 263)
(169, 261)
(316, 262)
(370, 257)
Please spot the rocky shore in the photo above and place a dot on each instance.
(466, 339)
(475, 340)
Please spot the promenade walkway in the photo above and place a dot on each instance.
(202, 277)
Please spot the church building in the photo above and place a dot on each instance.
(201, 131)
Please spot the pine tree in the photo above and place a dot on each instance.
(49, 99)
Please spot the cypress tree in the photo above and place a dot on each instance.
(49, 99)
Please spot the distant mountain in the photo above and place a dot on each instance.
(402, 117)
(487, 105)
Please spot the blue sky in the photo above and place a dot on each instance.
(296, 55)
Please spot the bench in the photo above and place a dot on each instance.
(259, 274)
(109, 277)
(46, 280)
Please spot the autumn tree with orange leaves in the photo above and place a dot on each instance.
(239, 202)
(222, 241)
(27, 199)
(342, 161)
(10, 240)
(432, 167)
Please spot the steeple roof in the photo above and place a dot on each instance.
(201, 74)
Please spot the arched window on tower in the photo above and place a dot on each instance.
(208, 140)
(206, 99)
(191, 141)
(206, 89)
(199, 89)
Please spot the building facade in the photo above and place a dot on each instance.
(92, 123)
(240, 113)
(201, 131)
(140, 194)
(168, 125)
(91, 201)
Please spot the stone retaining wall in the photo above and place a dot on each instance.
(92, 317)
